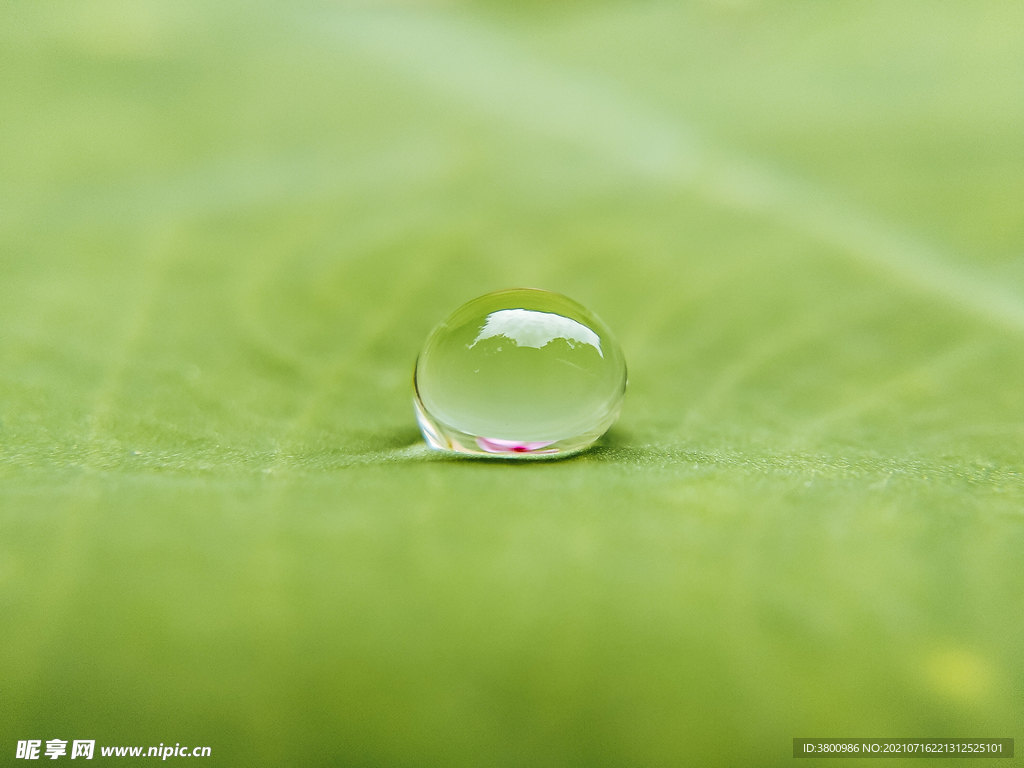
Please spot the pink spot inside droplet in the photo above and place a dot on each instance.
(496, 445)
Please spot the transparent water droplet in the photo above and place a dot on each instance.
(523, 373)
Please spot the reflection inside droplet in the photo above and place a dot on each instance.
(528, 328)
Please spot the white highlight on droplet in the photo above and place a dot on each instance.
(529, 328)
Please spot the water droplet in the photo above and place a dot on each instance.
(519, 374)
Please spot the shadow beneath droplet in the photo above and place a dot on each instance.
(613, 446)
(406, 444)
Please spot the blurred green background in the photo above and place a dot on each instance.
(225, 231)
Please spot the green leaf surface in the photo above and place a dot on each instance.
(225, 232)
